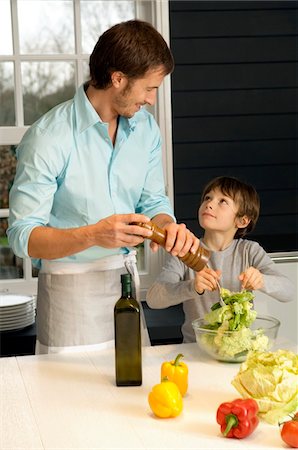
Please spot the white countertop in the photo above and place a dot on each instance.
(70, 401)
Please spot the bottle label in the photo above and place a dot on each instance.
(128, 349)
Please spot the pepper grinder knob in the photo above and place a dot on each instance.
(195, 261)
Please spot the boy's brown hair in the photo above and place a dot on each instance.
(244, 195)
(131, 47)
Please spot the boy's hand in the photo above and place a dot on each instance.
(206, 280)
(251, 279)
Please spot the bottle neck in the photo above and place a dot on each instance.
(126, 290)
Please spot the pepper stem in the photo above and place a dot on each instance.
(164, 379)
(177, 360)
(231, 421)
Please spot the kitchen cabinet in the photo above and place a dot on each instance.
(18, 342)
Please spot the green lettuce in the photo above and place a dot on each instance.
(271, 378)
(237, 311)
(234, 346)
(234, 338)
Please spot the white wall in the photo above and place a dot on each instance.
(287, 313)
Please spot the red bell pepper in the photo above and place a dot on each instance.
(238, 419)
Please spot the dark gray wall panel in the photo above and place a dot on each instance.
(234, 76)
(234, 102)
(262, 177)
(227, 154)
(198, 23)
(232, 5)
(239, 49)
(222, 128)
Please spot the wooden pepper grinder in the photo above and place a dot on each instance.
(195, 261)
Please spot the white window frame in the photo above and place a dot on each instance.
(156, 12)
(163, 115)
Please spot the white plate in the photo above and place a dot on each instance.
(17, 318)
(16, 310)
(11, 320)
(17, 326)
(9, 300)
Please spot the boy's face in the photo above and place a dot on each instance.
(218, 212)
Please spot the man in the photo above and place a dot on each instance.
(86, 170)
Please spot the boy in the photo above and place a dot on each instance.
(229, 209)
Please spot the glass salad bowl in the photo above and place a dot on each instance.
(233, 346)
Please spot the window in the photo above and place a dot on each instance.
(43, 58)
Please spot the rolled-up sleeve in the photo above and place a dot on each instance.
(32, 194)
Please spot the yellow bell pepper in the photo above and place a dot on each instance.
(165, 399)
(176, 371)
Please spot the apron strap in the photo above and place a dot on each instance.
(130, 262)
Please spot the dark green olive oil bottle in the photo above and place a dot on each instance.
(128, 347)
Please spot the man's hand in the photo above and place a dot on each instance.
(117, 231)
(179, 240)
(251, 279)
(111, 232)
(206, 280)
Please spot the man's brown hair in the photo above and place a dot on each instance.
(131, 47)
(244, 195)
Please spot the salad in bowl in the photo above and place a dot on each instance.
(229, 332)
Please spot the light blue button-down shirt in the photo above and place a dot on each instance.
(69, 174)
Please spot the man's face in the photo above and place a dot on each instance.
(132, 95)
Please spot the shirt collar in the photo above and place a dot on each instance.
(132, 122)
(86, 116)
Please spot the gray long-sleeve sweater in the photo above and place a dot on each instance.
(175, 283)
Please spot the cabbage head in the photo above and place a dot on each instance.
(271, 378)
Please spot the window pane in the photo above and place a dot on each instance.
(46, 84)
(98, 16)
(10, 265)
(7, 113)
(5, 28)
(7, 172)
(86, 70)
(46, 26)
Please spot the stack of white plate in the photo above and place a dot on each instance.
(16, 311)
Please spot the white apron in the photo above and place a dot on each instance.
(75, 303)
